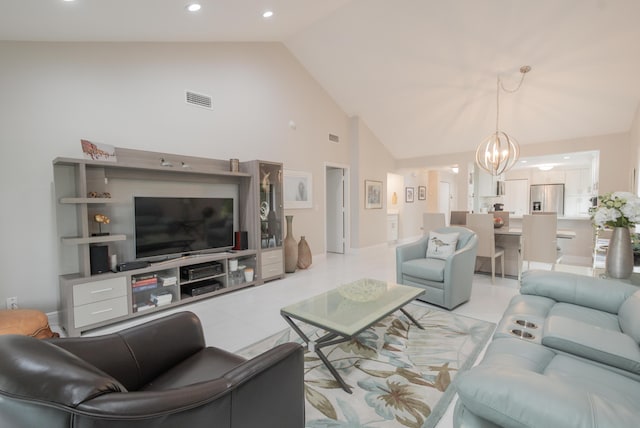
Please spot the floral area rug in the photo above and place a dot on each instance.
(400, 375)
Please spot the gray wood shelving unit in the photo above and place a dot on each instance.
(93, 301)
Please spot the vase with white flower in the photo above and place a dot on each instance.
(618, 211)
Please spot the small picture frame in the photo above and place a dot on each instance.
(409, 194)
(298, 189)
(422, 193)
(372, 194)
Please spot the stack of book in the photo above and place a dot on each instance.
(144, 282)
(167, 281)
(161, 298)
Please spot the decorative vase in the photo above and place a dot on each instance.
(619, 263)
(290, 248)
(304, 254)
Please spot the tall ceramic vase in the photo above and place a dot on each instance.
(304, 254)
(290, 248)
(619, 262)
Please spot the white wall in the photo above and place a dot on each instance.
(132, 95)
(373, 162)
(634, 138)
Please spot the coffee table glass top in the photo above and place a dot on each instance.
(352, 307)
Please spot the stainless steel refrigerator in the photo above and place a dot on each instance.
(547, 198)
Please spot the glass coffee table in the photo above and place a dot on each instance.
(346, 311)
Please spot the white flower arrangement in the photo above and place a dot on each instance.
(617, 209)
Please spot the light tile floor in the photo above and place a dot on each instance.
(235, 320)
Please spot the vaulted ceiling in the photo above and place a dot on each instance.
(420, 73)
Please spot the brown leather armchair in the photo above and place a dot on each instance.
(158, 374)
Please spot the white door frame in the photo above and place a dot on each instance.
(347, 199)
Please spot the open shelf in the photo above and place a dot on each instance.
(92, 239)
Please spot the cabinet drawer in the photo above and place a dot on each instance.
(272, 269)
(100, 311)
(99, 290)
(269, 257)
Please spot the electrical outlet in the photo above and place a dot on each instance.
(12, 302)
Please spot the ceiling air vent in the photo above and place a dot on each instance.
(199, 100)
(334, 138)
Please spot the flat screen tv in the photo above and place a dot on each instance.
(176, 226)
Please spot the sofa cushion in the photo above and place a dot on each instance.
(441, 245)
(208, 364)
(428, 269)
(602, 345)
(586, 315)
(629, 316)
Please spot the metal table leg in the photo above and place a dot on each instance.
(315, 346)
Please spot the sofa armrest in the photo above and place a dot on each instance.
(597, 293)
(526, 399)
(459, 268)
(523, 384)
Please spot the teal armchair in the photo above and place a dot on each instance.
(447, 282)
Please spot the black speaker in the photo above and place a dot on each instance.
(241, 241)
(99, 259)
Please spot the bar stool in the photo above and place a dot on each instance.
(482, 225)
(539, 241)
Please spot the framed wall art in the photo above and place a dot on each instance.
(372, 194)
(298, 189)
(408, 194)
(422, 193)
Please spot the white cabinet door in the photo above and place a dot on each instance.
(516, 196)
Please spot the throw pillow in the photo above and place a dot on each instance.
(629, 316)
(441, 245)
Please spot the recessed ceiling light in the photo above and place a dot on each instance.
(523, 161)
(193, 7)
(267, 14)
(566, 157)
(68, 0)
(545, 167)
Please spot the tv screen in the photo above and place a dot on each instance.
(179, 226)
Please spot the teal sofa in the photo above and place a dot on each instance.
(565, 354)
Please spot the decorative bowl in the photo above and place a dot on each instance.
(498, 222)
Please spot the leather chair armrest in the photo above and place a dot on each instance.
(597, 293)
(270, 384)
(160, 404)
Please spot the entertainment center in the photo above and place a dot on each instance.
(178, 229)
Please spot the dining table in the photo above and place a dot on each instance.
(508, 238)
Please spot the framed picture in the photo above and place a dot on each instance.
(372, 194)
(298, 189)
(408, 194)
(422, 193)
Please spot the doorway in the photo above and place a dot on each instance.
(336, 221)
(444, 199)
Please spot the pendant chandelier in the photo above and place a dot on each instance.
(499, 152)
